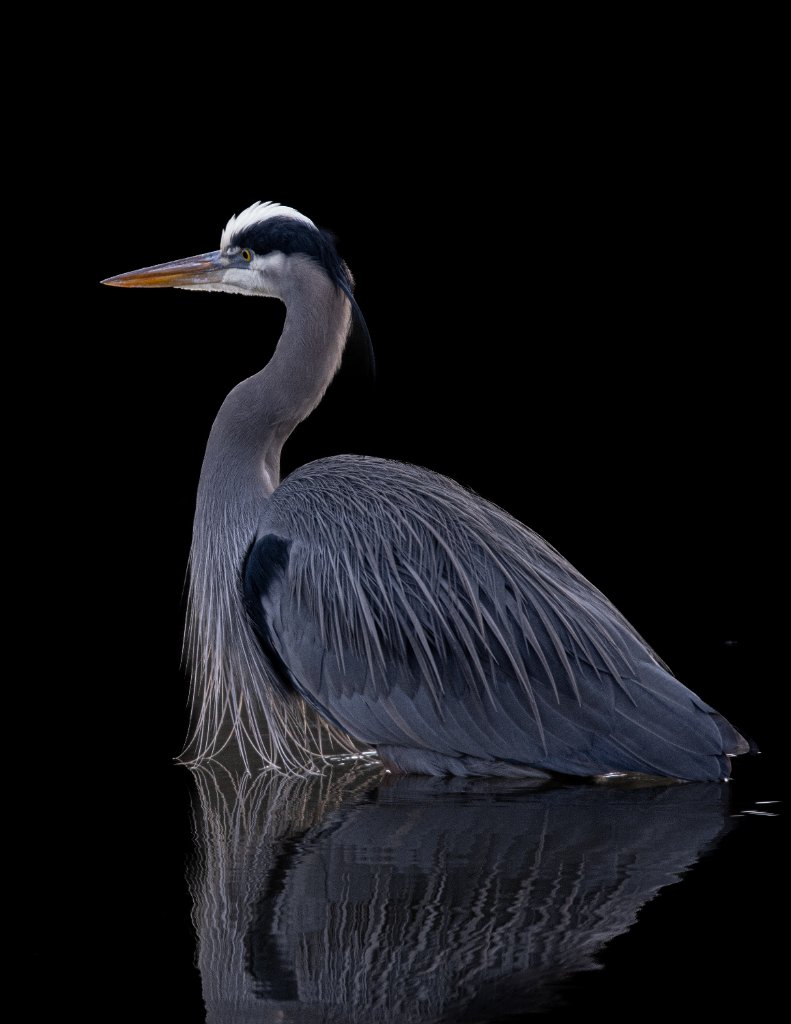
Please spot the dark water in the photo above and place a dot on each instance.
(356, 897)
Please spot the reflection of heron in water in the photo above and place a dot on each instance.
(324, 900)
(412, 615)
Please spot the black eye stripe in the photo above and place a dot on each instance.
(289, 236)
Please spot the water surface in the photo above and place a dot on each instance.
(356, 897)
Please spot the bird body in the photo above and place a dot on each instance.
(425, 621)
(411, 614)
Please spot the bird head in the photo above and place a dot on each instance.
(258, 249)
(261, 252)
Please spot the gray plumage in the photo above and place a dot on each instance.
(411, 614)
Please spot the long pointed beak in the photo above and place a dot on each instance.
(194, 272)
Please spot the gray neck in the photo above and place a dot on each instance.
(258, 416)
(240, 470)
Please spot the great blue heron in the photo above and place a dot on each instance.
(411, 614)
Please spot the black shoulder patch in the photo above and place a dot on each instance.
(266, 562)
(265, 565)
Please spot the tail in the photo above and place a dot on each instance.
(733, 743)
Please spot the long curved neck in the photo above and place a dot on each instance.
(258, 416)
(240, 470)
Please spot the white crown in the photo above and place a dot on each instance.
(255, 214)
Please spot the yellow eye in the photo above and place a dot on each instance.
(246, 255)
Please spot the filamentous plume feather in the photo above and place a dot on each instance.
(235, 693)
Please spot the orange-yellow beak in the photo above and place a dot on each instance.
(194, 272)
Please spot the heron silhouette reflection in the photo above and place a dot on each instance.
(349, 898)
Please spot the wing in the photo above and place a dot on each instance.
(429, 623)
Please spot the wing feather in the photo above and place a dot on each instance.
(415, 614)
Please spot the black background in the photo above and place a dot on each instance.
(572, 305)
